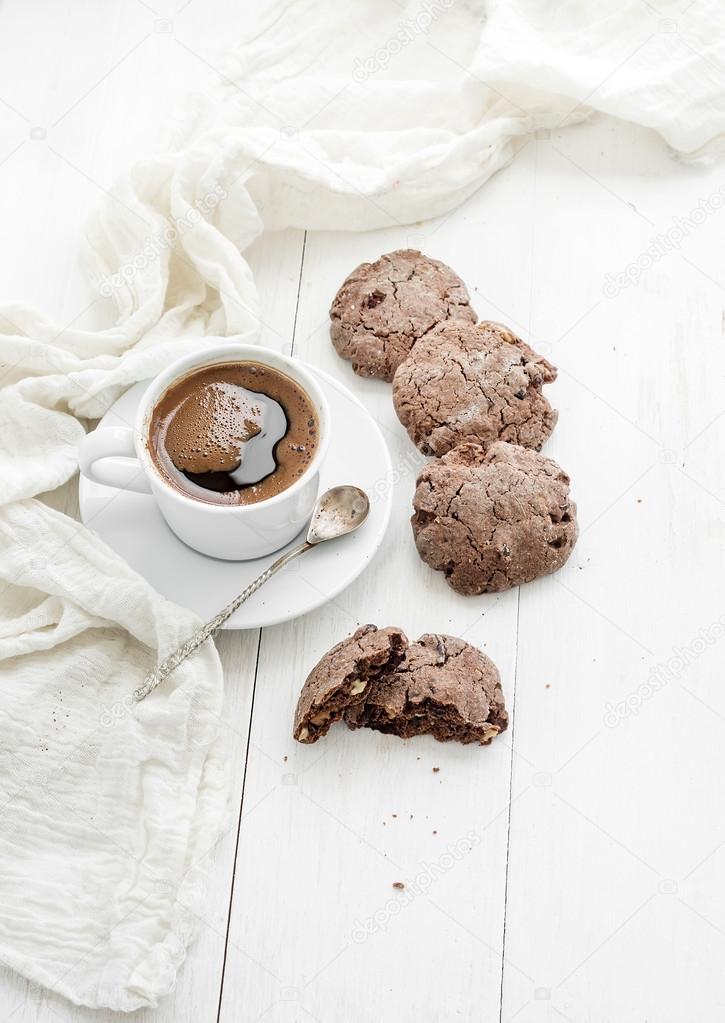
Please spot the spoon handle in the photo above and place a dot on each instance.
(172, 662)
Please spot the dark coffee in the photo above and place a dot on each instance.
(233, 433)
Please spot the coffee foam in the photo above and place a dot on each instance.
(211, 427)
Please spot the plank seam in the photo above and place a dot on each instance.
(239, 828)
(299, 291)
(518, 619)
(508, 823)
(251, 709)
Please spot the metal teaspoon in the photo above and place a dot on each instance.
(338, 511)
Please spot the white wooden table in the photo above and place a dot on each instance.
(573, 870)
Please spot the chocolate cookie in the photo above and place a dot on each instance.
(493, 518)
(342, 678)
(383, 308)
(480, 383)
(375, 679)
(442, 686)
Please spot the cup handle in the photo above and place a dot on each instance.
(99, 447)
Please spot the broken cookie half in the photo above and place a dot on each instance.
(342, 679)
(440, 686)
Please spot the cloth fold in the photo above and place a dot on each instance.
(107, 808)
(325, 116)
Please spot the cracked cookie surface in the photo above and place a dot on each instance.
(473, 382)
(384, 308)
(443, 687)
(493, 518)
(343, 676)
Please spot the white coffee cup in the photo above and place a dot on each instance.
(120, 457)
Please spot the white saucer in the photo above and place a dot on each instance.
(132, 525)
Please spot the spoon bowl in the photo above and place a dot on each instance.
(338, 511)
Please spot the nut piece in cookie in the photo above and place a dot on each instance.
(480, 383)
(343, 677)
(383, 308)
(442, 686)
(493, 518)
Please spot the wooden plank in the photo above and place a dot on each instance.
(608, 910)
(329, 828)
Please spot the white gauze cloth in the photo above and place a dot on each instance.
(329, 115)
